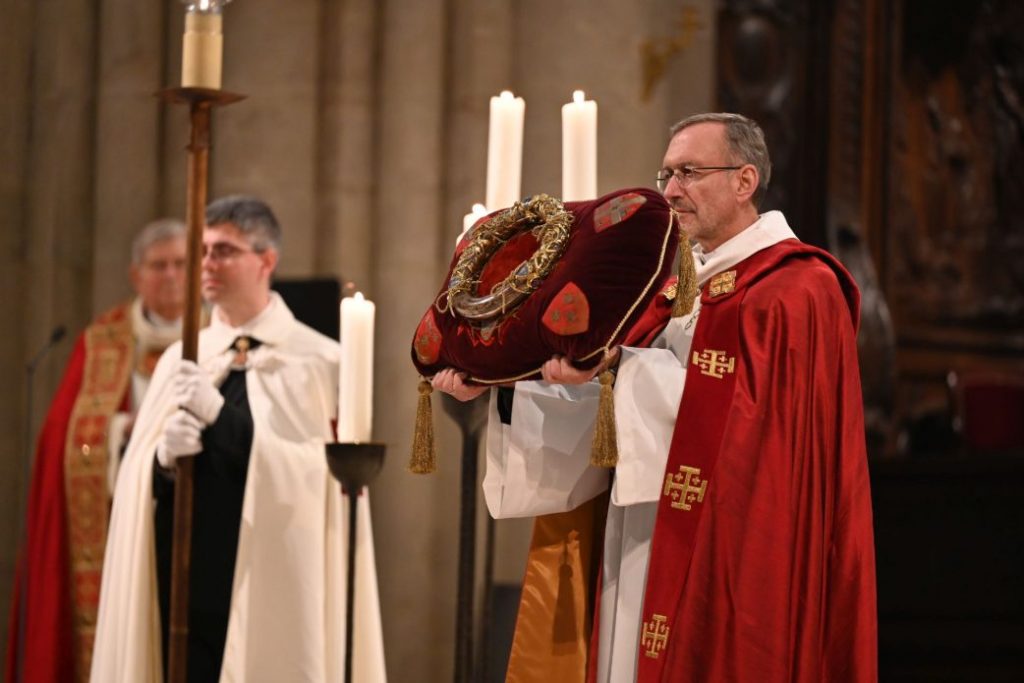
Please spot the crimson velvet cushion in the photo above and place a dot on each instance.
(608, 287)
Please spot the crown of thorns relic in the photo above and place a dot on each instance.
(544, 278)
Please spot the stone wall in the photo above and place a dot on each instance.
(365, 128)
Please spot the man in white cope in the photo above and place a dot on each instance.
(267, 581)
(776, 583)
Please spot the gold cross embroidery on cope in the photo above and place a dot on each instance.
(714, 363)
(723, 283)
(685, 487)
(655, 635)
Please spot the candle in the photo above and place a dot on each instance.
(505, 151)
(579, 149)
(355, 379)
(470, 219)
(202, 45)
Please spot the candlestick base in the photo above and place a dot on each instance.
(192, 95)
(471, 416)
(355, 465)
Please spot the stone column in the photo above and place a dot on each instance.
(346, 130)
(266, 144)
(128, 118)
(16, 48)
(48, 70)
(415, 516)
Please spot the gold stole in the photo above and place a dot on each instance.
(109, 351)
(554, 624)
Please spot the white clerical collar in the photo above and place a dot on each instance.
(269, 325)
(159, 320)
(770, 228)
(150, 330)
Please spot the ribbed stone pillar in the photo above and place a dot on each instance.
(16, 39)
(50, 193)
(346, 162)
(128, 118)
(266, 144)
(415, 515)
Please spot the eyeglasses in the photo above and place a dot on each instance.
(685, 175)
(224, 251)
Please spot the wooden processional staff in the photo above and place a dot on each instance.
(200, 90)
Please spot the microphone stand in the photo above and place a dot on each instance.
(30, 376)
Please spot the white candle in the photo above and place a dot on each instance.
(355, 381)
(202, 45)
(505, 151)
(579, 148)
(470, 219)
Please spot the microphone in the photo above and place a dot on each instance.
(56, 335)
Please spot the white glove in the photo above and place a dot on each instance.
(194, 391)
(183, 435)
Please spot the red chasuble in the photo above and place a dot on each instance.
(762, 560)
(58, 576)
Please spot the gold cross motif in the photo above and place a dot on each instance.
(655, 636)
(714, 363)
(671, 291)
(685, 487)
(723, 283)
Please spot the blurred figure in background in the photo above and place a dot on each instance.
(53, 618)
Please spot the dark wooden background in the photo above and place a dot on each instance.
(897, 137)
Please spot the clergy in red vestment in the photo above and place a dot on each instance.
(737, 543)
(53, 616)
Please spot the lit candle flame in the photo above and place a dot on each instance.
(577, 96)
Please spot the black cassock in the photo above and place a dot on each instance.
(219, 489)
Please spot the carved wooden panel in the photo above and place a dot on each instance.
(956, 182)
(854, 148)
(767, 71)
(897, 134)
(954, 165)
(807, 71)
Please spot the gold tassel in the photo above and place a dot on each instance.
(686, 287)
(424, 455)
(605, 449)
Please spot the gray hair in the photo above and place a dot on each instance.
(159, 230)
(746, 144)
(251, 216)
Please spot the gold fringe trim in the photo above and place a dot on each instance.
(605, 449)
(424, 454)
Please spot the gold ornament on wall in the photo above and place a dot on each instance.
(657, 53)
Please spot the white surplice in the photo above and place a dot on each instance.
(287, 618)
(540, 463)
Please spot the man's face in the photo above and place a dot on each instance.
(707, 206)
(232, 270)
(159, 279)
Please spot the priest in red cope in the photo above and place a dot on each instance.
(53, 619)
(738, 544)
